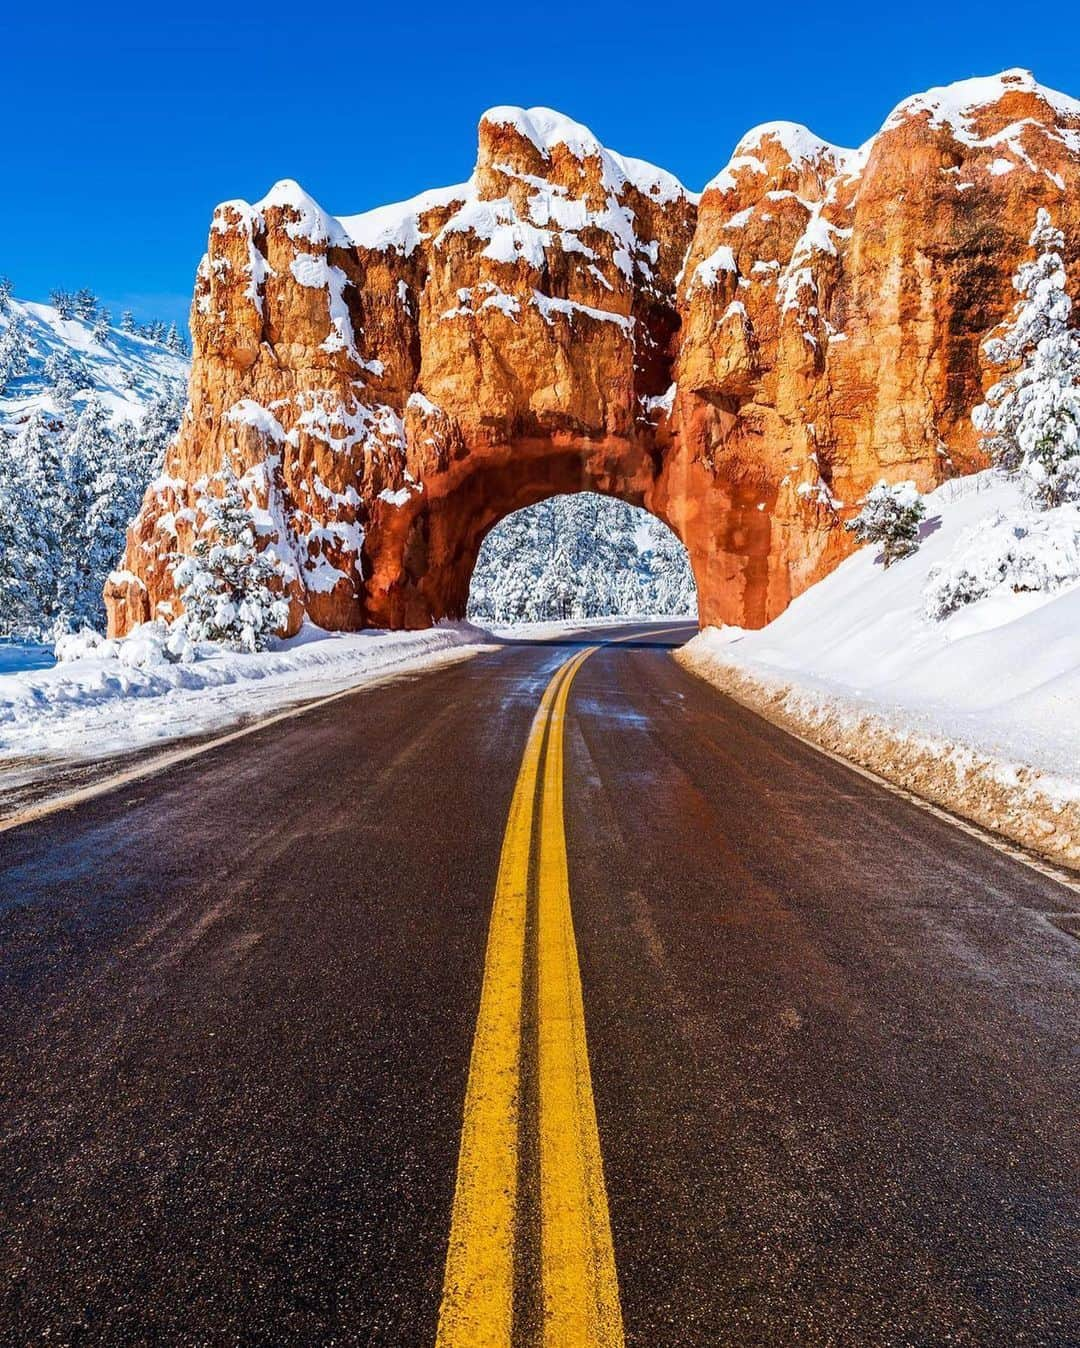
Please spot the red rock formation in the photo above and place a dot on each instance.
(393, 384)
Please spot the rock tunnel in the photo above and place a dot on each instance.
(744, 364)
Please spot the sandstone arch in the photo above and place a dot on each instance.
(744, 364)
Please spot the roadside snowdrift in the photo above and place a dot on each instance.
(103, 704)
(979, 711)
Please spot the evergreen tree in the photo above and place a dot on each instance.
(1030, 420)
(225, 585)
(63, 301)
(102, 323)
(5, 294)
(65, 375)
(90, 527)
(891, 516)
(16, 606)
(85, 304)
(31, 490)
(128, 324)
(670, 587)
(174, 342)
(579, 556)
(14, 353)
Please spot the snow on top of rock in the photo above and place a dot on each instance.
(545, 128)
(722, 259)
(312, 223)
(397, 226)
(953, 105)
(798, 142)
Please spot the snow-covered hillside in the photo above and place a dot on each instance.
(988, 697)
(124, 370)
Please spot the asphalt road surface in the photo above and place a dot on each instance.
(829, 1096)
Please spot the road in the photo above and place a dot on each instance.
(800, 1069)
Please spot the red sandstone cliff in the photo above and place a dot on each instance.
(393, 383)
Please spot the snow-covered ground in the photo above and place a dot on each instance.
(987, 699)
(99, 705)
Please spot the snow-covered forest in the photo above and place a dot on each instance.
(87, 408)
(580, 556)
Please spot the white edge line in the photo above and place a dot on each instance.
(999, 844)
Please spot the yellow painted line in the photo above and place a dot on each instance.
(478, 1286)
(580, 1291)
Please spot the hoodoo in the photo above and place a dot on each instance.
(745, 365)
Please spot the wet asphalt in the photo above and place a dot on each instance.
(833, 1038)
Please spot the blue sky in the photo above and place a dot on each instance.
(124, 125)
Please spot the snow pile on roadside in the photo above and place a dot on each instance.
(977, 710)
(119, 696)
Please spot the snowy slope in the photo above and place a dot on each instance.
(994, 688)
(126, 369)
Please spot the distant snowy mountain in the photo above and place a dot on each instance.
(124, 370)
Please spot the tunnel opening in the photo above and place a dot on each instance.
(580, 557)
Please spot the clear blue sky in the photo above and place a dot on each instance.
(123, 126)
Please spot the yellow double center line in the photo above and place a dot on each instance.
(578, 1295)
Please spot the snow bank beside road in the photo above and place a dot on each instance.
(99, 704)
(979, 712)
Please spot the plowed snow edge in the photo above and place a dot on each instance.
(1018, 802)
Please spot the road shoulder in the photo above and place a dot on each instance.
(1013, 801)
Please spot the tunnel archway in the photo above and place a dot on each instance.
(580, 556)
(421, 546)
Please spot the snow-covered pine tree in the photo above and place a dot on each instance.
(174, 342)
(91, 527)
(1030, 421)
(670, 586)
(5, 293)
(31, 550)
(14, 353)
(142, 445)
(517, 577)
(891, 516)
(226, 583)
(65, 375)
(16, 600)
(128, 324)
(85, 304)
(102, 323)
(63, 301)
